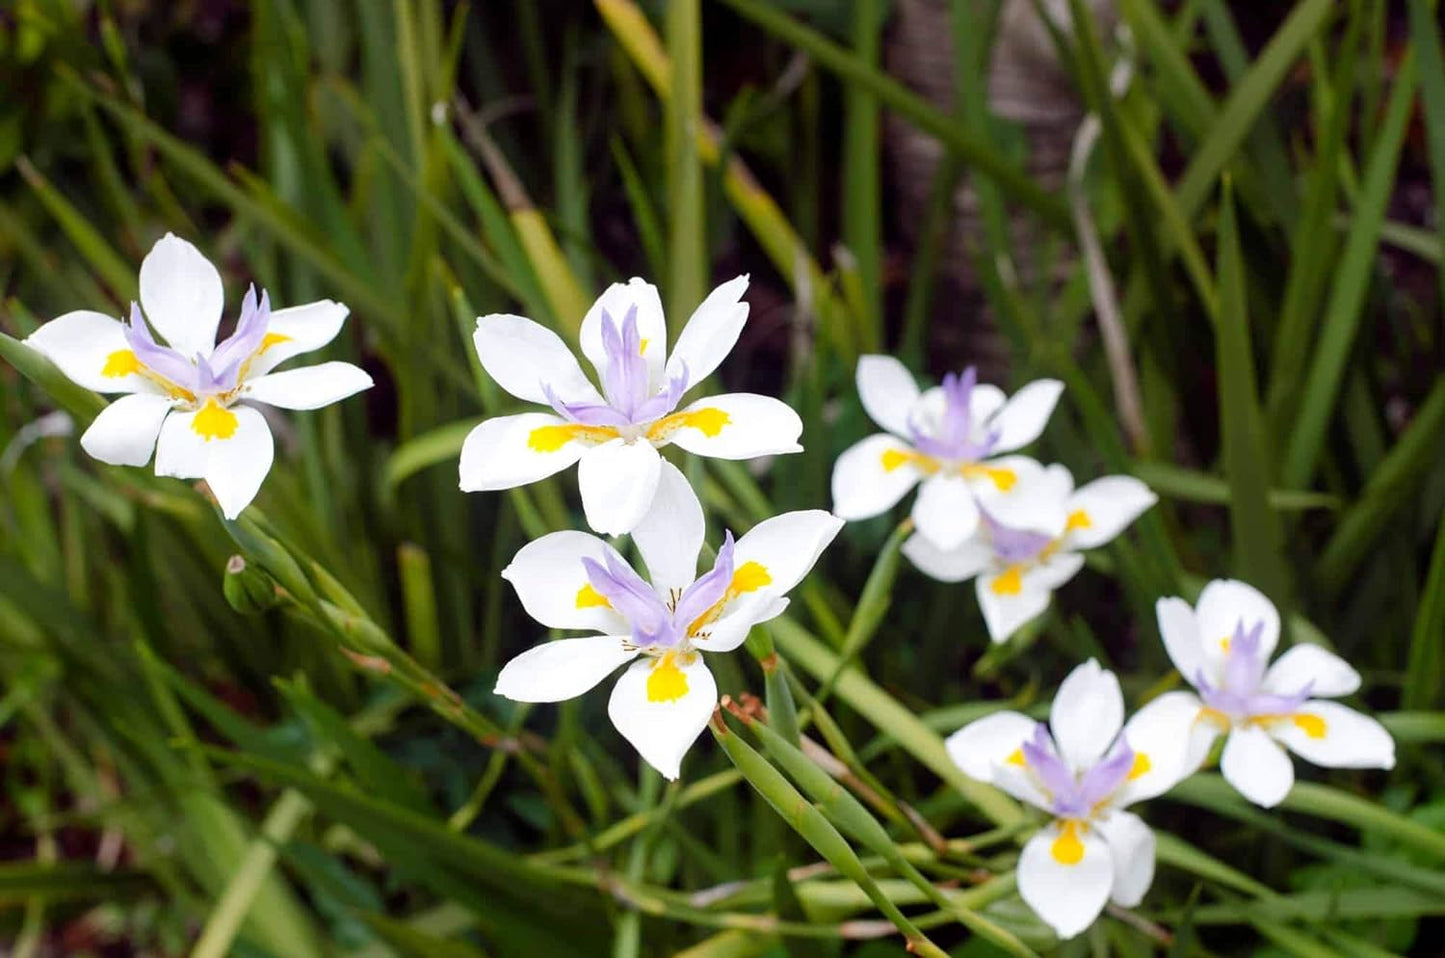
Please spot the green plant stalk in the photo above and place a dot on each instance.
(1255, 534)
(1423, 676)
(1324, 381)
(1247, 100)
(814, 828)
(872, 605)
(1313, 241)
(419, 600)
(113, 268)
(1405, 468)
(687, 223)
(1211, 791)
(909, 106)
(854, 820)
(862, 213)
(753, 204)
(233, 905)
(890, 716)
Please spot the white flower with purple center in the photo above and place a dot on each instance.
(1017, 570)
(613, 435)
(1081, 770)
(951, 439)
(572, 580)
(188, 399)
(1222, 647)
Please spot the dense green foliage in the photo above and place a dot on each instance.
(302, 756)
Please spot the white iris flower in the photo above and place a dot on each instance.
(187, 398)
(1222, 647)
(1084, 773)
(572, 580)
(1017, 570)
(614, 434)
(948, 438)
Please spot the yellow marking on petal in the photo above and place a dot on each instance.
(552, 438)
(1009, 582)
(1207, 714)
(1311, 725)
(1016, 757)
(892, 459)
(1078, 519)
(1067, 849)
(666, 682)
(709, 421)
(1141, 766)
(214, 421)
(642, 347)
(590, 598)
(748, 577)
(1224, 645)
(272, 339)
(122, 362)
(1003, 479)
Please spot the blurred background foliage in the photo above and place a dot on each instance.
(296, 752)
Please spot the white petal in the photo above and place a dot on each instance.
(1224, 604)
(124, 434)
(553, 586)
(1009, 602)
(512, 451)
(1087, 714)
(982, 745)
(949, 565)
(661, 706)
(1024, 416)
(563, 669)
(787, 546)
(523, 357)
(618, 480)
(1170, 743)
(731, 628)
(236, 467)
(710, 333)
(1326, 674)
(1103, 508)
(90, 349)
(872, 475)
(1056, 570)
(296, 330)
(733, 426)
(1328, 734)
(1180, 630)
(670, 535)
(182, 296)
(1020, 493)
(1131, 845)
(945, 512)
(310, 387)
(1257, 766)
(1065, 874)
(651, 325)
(987, 399)
(888, 392)
(180, 451)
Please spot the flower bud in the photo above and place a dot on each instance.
(248, 588)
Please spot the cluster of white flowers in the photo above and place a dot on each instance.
(982, 512)
(1007, 521)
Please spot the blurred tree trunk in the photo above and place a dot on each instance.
(1028, 87)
